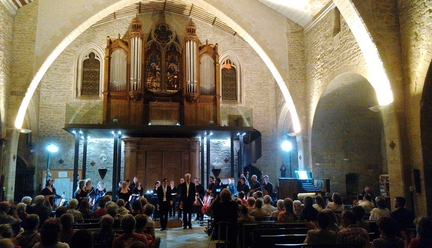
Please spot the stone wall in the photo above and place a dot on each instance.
(6, 29)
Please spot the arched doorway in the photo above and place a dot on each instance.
(24, 180)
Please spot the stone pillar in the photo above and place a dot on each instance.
(194, 157)
(130, 166)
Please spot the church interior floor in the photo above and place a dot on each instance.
(177, 237)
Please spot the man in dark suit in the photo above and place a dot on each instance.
(187, 200)
(164, 202)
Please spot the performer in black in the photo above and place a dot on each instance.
(198, 203)
(89, 191)
(49, 192)
(187, 200)
(164, 201)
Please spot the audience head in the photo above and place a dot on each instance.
(267, 199)
(106, 222)
(332, 216)
(359, 212)
(120, 203)
(399, 202)
(73, 203)
(387, 226)
(244, 210)
(81, 239)
(367, 197)
(107, 198)
(21, 207)
(101, 203)
(6, 231)
(320, 201)
(241, 195)
(60, 211)
(128, 223)
(112, 209)
(27, 200)
(84, 205)
(50, 232)
(258, 203)
(67, 221)
(424, 228)
(143, 201)
(251, 201)
(280, 204)
(308, 201)
(297, 204)
(323, 220)
(31, 222)
(381, 203)
(136, 206)
(39, 200)
(337, 198)
(348, 217)
(289, 205)
(141, 221)
(148, 209)
(259, 194)
(225, 195)
(4, 206)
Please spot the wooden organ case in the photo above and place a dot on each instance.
(161, 78)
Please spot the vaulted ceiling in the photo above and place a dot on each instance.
(299, 11)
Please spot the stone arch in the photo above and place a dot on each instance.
(426, 136)
(346, 136)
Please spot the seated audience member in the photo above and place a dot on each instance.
(241, 195)
(150, 226)
(388, 229)
(28, 201)
(334, 221)
(129, 236)
(137, 208)
(49, 235)
(30, 236)
(101, 210)
(141, 222)
(336, 204)
(319, 203)
(288, 214)
(66, 233)
(321, 235)
(404, 218)
(112, 210)
(360, 213)
(267, 207)
(85, 209)
(351, 233)
(245, 217)
(144, 202)
(424, 234)
(73, 204)
(81, 239)
(6, 233)
(380, 211)
(367, 203)
(225, 210)
(107, 233)
(42, 210)
(298, 206)
(60, 211)
(250, 204)
(308, 213)
(258, 212)
(122, 210)
(280, 207)
(21, 211)
(6, 218)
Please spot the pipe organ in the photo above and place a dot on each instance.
(161, 78)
